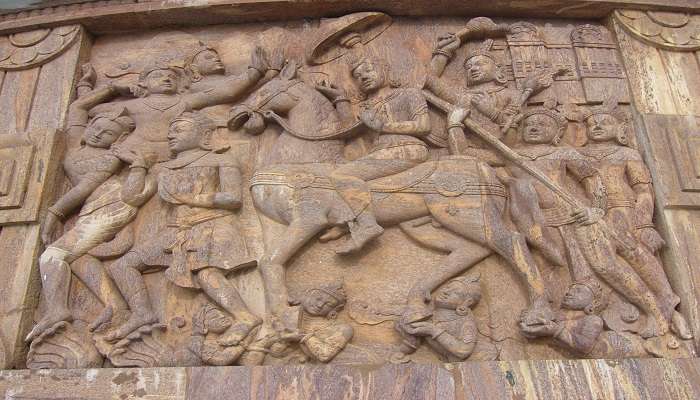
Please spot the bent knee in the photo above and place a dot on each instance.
(53, 254)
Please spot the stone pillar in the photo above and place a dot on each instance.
(37, 72)
(661, 52)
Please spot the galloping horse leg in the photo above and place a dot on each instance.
(297, 234)
(455, 263)
(481, 221)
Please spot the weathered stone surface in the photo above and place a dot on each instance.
(565, 379)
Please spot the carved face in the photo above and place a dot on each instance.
(602, 127)
(161, 81)
(577, 297)
(319, 303)
(539, 129)
(208, 62)
(451, 295)
(183, 135)
(102, 133)
(369, 77)
(480, 69)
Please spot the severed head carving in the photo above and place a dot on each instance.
(585, 295)
(459, 294)
(325, 300)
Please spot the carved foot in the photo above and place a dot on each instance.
(134, 322)
(359, 238)
(49, 320)
(680, 327)
(104, 318)
(333, 233)
(539, 313)
(653, 328)
(237, 332)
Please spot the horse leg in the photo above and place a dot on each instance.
(479, 219)
(297, 234)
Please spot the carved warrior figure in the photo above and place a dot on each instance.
(547, 221)
(294, 188)
(449, 327)
(399, 117)
(163, 94)
(492, 102)
(630, 205)
(201, 187)
(107, 202)
(322, 342)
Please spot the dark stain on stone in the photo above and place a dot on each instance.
(510, 378)
(140, 393)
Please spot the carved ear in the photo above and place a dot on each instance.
(289, 71)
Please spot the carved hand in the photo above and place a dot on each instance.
(588, 215)
(258, 60)
(550, 328)
(369, 118)
(651, 238)
(420, 328)
(484, 103)
(457, 115)
(329, 90)
(49, 228)
(448, 43)
(276, 60)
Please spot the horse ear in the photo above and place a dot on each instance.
(289, 71)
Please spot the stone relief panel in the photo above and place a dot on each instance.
(358, 190)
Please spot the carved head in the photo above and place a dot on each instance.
(106, 128)
(603, 126)
(205, 61)
(542, 126)
(161, 77)
(325, 300)
(459, 294)
(370, 73)
(585, 295)
(481, 67)
(190, 130)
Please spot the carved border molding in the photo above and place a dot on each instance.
(33, 48)
(666, 30)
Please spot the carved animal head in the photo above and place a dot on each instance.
(285, 96)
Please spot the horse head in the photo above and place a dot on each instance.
(287, 100)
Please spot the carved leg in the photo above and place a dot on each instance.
(55, 285)
(298, 233)
(602, 257)
(222, 291)
(126, 273)
(529, 219)
(92, 273)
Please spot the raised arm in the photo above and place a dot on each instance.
(232, 88)
(442, 54)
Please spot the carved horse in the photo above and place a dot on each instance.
(454, 205)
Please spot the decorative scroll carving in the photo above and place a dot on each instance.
(667, 30)
(378, 175)
(31, 49)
